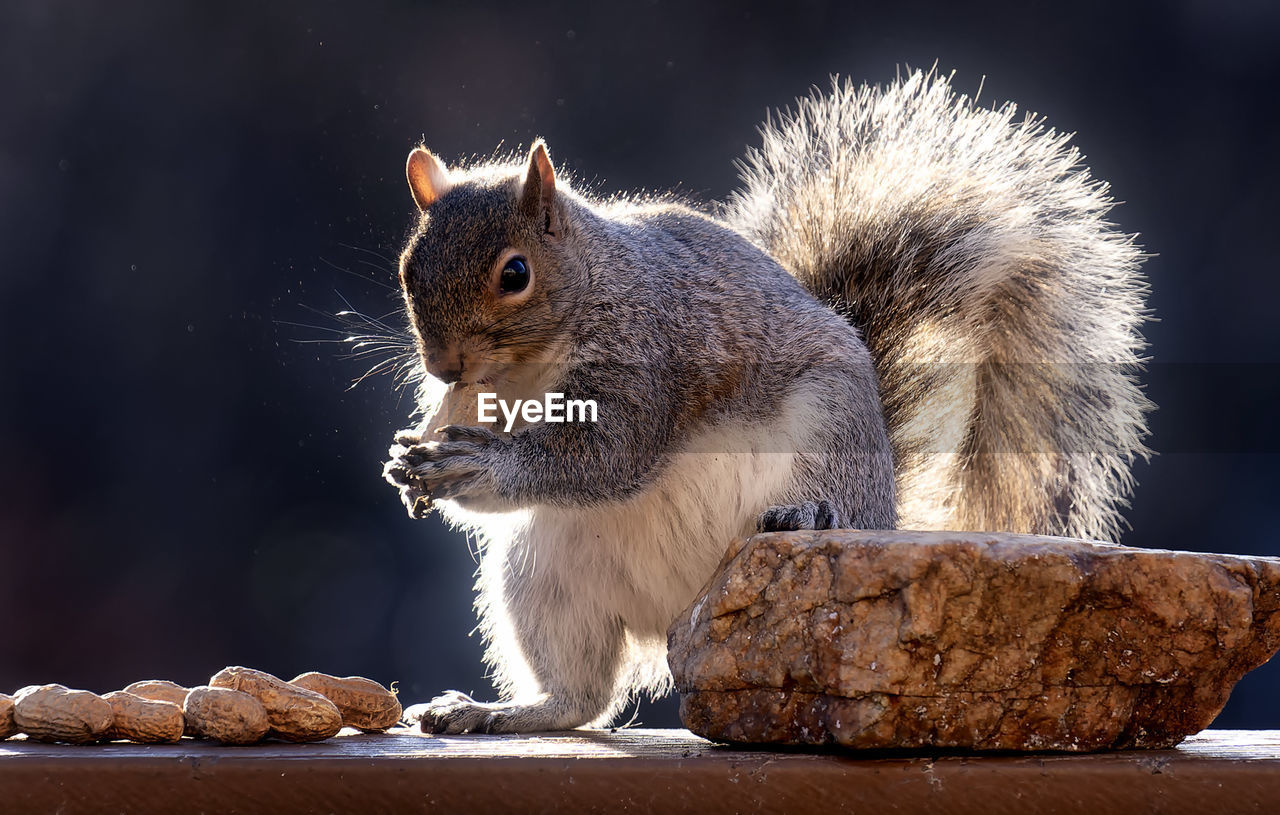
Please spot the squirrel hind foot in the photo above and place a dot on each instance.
(809, 515)
(455, 713)
(452, 712)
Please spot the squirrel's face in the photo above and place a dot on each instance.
(480, 273)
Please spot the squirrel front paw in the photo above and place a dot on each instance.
(456, 467)
(396, 472)
(809, 515)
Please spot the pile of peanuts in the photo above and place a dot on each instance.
(238, 706)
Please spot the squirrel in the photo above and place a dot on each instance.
(914, 314)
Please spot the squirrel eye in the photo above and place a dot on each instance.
(515, 276)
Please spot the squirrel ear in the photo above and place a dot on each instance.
(428, 177)
(538, 198)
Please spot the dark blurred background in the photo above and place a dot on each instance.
(187, 483)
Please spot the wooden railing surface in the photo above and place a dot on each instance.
(1223, 771)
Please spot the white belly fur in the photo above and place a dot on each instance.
(658, 548)
(644, 559)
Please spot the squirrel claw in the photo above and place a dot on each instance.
(396, 473)
(418, 504)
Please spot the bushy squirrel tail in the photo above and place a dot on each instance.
(1002, 309)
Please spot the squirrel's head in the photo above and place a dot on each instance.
(482, 272)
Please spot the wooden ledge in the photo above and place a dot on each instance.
(1221, 771)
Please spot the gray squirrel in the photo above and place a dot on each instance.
(914, 314)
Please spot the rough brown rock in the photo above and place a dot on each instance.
(968, 640)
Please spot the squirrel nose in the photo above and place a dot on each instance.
(445, 366)
(447, 375)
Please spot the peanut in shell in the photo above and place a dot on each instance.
(147, 721)
(159, 689)
(364, 704)
(225, 715)
(295, 713)
(54, 713)
(7, 725)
